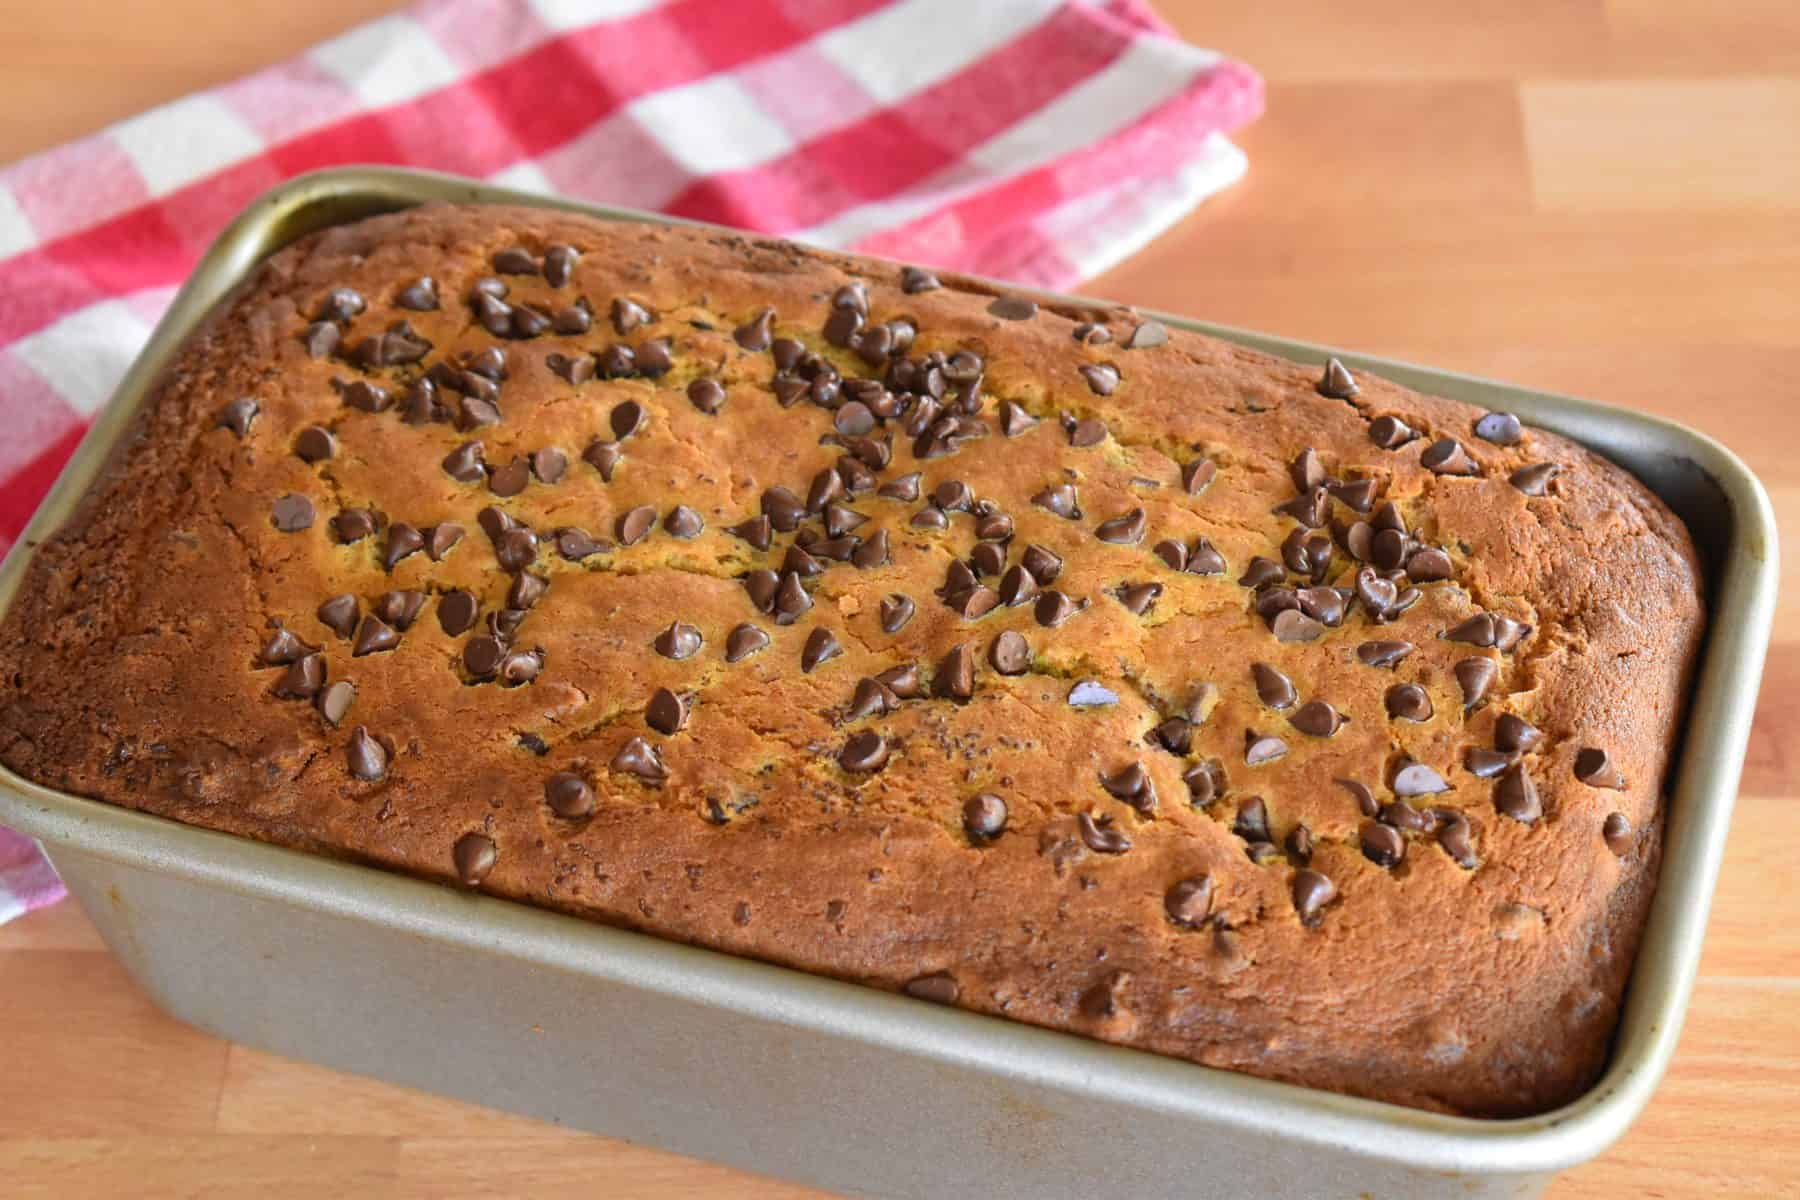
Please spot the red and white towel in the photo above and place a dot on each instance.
(1035, 140)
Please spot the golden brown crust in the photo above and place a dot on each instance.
(132, 672)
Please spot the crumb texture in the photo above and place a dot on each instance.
(1046, 663)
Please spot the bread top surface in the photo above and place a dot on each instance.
(1134, 825)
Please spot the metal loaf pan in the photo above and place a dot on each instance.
(780, 1072)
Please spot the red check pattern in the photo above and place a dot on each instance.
(1036, 140)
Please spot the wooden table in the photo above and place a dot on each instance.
(1594, 196)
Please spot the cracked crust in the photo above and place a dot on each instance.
(131, 675)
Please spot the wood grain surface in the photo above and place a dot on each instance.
(1593, 196)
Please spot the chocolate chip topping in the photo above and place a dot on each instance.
(1189, 902)
(1100, 836)
(1447, 457)
(1417, 779)
(954, 678)
(339, 615)
(1317, 718)
(1365, 799)
(1089, 693)
(1514, 734)
(474, 855)
(1043, 565)
(303, 678)
(1594, 768)
(639, 758)
(1516, 796)
(939, 987)
(821, 646)
(421, 295)
(1059, 499)
(1616, 831)
(1402, 815)
(1053, 608)
(1534, 480)
(1010, 653)
(743, 641)
(1476, 677)
(683, 522)
(1382, 844)
(510, 479)
(1312, 891)
(666, 712)
(368, 757)
(633, 525)
(569, 795)
(984, 817)
(1408, 702)
(1384, 654)
(334, 701)
(292, 513)
(1138, 598)
(1292, 625)
(353, 525)
(678, 641)
(1013, 308)
(1483, 763)
(791, 599)
(239, 415)
(756, 333)
(1272, 687)
(1500, 428)
(1196, 475)
(1456, 838)
(1261, 748)
(904, 488)
(1390, 432)
(864, 753)
(1126, 529)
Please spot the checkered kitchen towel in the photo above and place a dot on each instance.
(1035, 140)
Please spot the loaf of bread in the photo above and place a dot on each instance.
(1042, 661)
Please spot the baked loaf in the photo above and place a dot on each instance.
(1041, 661)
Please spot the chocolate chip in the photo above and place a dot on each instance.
(1273, 687)
(762, 585)
(1594, 768)
(549, 464)
(1316, 718)
(526, 591)
(569, 795)
(1390, 433)
(904, 488)
(1453, 835)
(1324, 605)
(638, 757)
(1010, 653)
(339, 614)
(1292, 625)
(1417, 779)
(1172, 552)
(633, 525)
(354, 524)
(1102, 380)
(1408, 702)
(1205, 782)
(238, 416)
(666, 712)
(1358, 494)
(1447, 457)
(368, 757)
(821, 646)
(1013, 308)
(374, 636)
(1260, 572)
(1514, 734)
(683, 522)
(1337, 382)
(1365, 799)
(1312, 891)
(339, 304)
(335, 700)
(840, 520)
(1382, 844)
(403, 541)
(1175, 734)
(757, 332)
(321, 338)
(1196, 475)
(1147, 335)
(984, 817)
(1483, 763)
(1139, 598)
(864, 752)
(576, 544)
(1053, 608)
(626, 419)
(1500, 428)
(303, 678)
(1534, 480)
(1014, 420)
(1126, 530)
(1262, 748)
(1130, 783)
(1477, 630)
(1307, 471)
(1089, 432)
(457, 612)
(1384, 654)
(1100, 836)
(1043, 565)
(510, 479)
(744, 641)
(482, 656)
(791, 600)
(930, 517)
(914, 280)
(1475, 676)
(474, 855)
(1092, 333)
(871, 698)
(940, 987)
(1089, 693)
(784, 509)
(758, 531)
(577, 370)
(954, 678)
(801, 563)
(421, 295)
(872, 553)
(400, 609)
(1189, 902)
(464, 464)
(283, 648)
(1616, 832)
(292, 513)
(1059, 499)
(678, 641)
(1516, 796)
